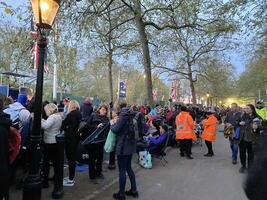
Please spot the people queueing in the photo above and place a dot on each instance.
(231, 122)
(248, 131)
(51, 127)
(185, 132)
(210, 129)
(70, 127)
(96, 121)
(125, 149)
(5, 124)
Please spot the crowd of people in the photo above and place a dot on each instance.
(243, 127)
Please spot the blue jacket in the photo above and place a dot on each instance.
(120, 128)
(156, 144)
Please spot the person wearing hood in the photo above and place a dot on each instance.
(210, 129)
(19, 107)
(125, 149)
(86, 109)
(5, 124)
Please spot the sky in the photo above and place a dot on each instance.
(236, 56)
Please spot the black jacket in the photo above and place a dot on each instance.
(92, 123)
(70, 125)
(5, 124)
(86, 110)
(246, 132)
(120, 128)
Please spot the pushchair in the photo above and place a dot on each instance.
(198, 131)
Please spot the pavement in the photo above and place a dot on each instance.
(202, 178)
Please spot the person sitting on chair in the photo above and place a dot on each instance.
(154, 144)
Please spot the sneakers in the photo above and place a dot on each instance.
(94, 181)
(68, 182)
(45, 184)
(118, 196)
(234, 162)
(100, 176)
(189, 157)
(242, 170)
(131, 193)
(209, 155)
(111, 167)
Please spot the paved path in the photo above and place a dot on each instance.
(181, 179)
(199, 179)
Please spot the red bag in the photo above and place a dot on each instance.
(14, 143)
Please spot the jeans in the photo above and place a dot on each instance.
(234, 148)
(124, 163)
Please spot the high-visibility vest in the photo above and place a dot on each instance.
(262, 113)
(184, 126)
(210, 128)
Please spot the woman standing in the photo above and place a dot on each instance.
(209, 133)
(70, 125)
(96, 121)
(248, 132)
(125, 148)
(51, 128)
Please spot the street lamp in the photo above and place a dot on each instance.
(44, 15)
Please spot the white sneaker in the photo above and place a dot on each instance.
(68, 183)
(66, 179)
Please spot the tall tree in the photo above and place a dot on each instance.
(189, 47)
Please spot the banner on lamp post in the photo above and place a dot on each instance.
(122, 88)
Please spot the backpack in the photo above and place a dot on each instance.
(14, 143)
(133, 127)
(14, 116)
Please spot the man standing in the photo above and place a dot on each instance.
(210, 129)
(233, 117)
(185, 132)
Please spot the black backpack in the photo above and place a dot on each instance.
(133, 130)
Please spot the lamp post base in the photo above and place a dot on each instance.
(32, 188)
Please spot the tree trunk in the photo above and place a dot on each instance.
(192, 86)
(145, 49)
(110, 62)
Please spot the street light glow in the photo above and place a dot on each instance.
(44, 6)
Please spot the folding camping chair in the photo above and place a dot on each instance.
(162, 153)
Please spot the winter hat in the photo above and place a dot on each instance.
(87, 101)
(22, 98)
(211, 111)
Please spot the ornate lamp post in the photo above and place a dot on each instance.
(44, 15)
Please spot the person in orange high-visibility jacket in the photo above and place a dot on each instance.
(185, 132)
(210, 129)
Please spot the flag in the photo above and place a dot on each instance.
(35, 57)
(173, 91)
(122, 88)
(155, 94)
